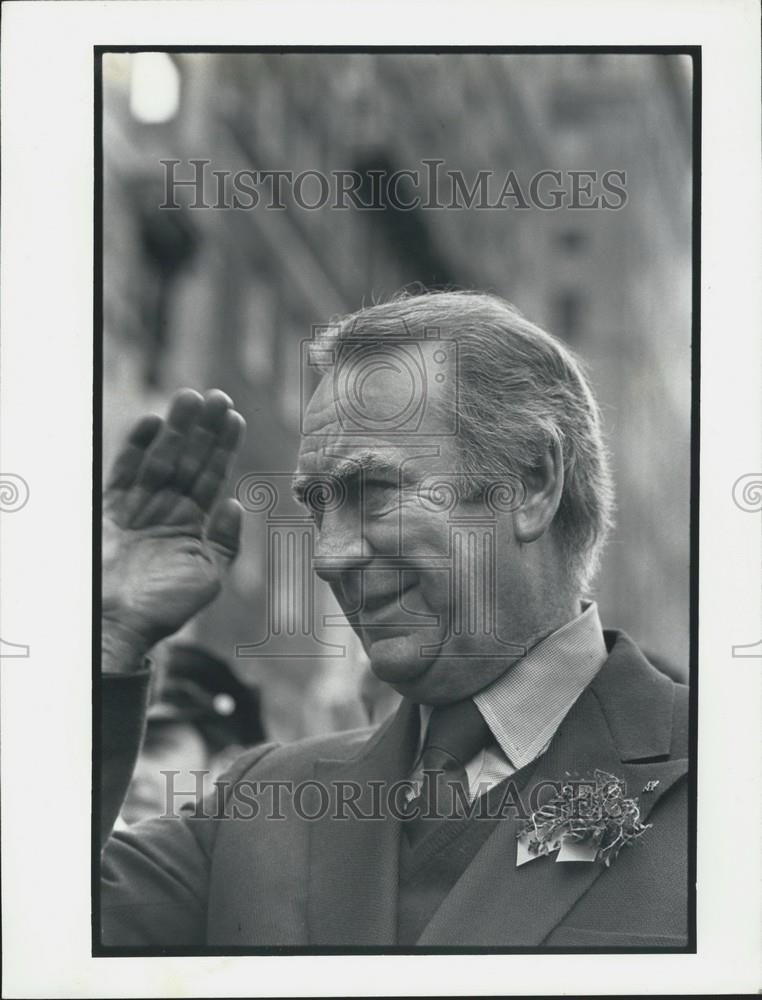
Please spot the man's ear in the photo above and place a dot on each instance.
(544, 486)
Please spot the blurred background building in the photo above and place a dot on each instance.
(225, 297)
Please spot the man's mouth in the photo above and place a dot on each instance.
(383, 609)
(387, 621)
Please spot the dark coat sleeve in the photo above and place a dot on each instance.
(124, 698)
(155, 874)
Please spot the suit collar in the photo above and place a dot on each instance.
(621, 724)
(353, 868)
(636, 699)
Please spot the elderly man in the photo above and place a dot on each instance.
(530, 789)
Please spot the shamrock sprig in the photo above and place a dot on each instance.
(596, 812)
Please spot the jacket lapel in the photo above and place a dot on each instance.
(354, 862)
(621, 724)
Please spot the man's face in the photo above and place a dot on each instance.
(426, 582)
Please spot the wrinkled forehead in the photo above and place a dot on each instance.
(396, 397)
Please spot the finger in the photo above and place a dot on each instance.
(171, 505)
(163, 455)
(185, 409)
(216, 405)
(207, 485)
(232, 433)
(145, 430)
(126, 464)
(223, 533)
(203, 438)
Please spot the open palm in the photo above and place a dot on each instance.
(166, 540)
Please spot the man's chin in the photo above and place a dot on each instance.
(397, 660)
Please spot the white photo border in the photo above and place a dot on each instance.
(46, 347)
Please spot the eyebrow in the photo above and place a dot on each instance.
(367, 463)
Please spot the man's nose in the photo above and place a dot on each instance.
(340, 545)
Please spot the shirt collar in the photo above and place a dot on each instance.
(525, 706)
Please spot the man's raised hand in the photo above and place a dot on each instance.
(166, 540)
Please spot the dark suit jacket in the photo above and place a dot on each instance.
(293, 882)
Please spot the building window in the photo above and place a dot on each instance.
(573, 241)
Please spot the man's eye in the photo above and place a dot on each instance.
(311, 503)
(314, 499)
(314, 510)
(381, 497)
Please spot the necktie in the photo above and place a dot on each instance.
(456, 733)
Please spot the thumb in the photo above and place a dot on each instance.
(223, 533)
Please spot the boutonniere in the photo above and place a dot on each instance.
(587, 820)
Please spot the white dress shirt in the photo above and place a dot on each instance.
(525, 706)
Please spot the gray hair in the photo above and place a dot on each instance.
(521, 391)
